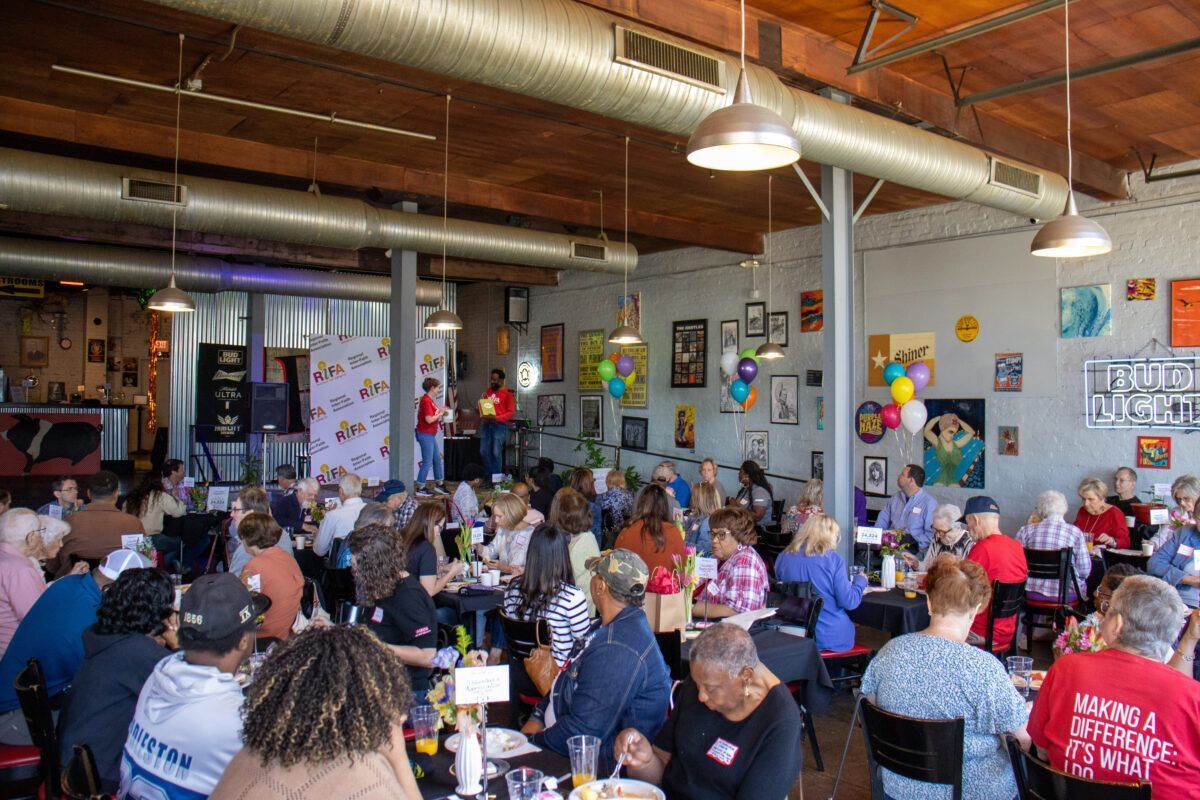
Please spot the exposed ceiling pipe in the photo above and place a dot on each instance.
(130, 268)
(564, 52)
(49, 184)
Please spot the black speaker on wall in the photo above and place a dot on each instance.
(268, 408)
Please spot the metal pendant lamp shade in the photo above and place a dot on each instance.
(443, 320)
(624, 334)
(769, 351)
(1071, 236)
(743, 136)
(171, 299)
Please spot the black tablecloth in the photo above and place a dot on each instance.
(191, 527)
(892, 612)
(469, 603)
(439, 783)
(458, 451)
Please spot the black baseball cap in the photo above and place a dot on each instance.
(980, 504)
(217, 606)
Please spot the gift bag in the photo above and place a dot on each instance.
(666, 612)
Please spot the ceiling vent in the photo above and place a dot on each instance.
(636, 49)
(153, 191)
(590, 252)
(1016, 178)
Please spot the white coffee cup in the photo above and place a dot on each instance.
(301, 541)
(494, 577)
(476, 568)
(485, 578)
(1147, 548)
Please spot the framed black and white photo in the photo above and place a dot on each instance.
(756, 319)
(875, 477)
(591, 417)
(757, 449)
(729, 336)
(818, 465)
(785, 397)
(634, 432)
(551, 410)
(814, 377)
(777, 328)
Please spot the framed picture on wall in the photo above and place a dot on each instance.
(35, 351)
(785, 399)
(95, 351)
(756, 319)
(689, 354)
(551, 410)
(729, 336)
(777, 328)
(758, 448)
(635, 432)
(818, 465)
(1154, 452)
(875, 477)
(591, 417)
(552, 353)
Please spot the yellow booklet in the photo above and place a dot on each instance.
(487, 407)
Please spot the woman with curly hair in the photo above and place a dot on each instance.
(323, 719)
(403, 617)
(134, 626)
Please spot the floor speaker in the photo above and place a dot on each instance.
(268, 408)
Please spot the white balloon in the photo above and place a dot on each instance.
(729, 363)
(913, 416)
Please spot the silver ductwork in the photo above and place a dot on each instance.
(147, 269)
(49, 184)
(567, 53)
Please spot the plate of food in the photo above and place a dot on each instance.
(499, 741)
(1035, 679)
(624, 788)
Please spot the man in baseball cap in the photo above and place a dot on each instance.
(1001, 556)
(615, 679)
(187, 725)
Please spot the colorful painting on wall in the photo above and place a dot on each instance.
(905, 348)
(689, 353)
(1185, 313)
(955, 452)
(629, 310)
(868, 422)
(1141, 289)
(820, 412)
(812, 311)
(685, 427)
(1154, 452)
(1086, 311)
(1010, 440)
(1010, 372)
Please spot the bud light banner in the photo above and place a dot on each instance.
(221, 392)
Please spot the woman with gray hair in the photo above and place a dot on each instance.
(949, 537)
(1047, 530)
(1185, 491)
(734, 730)
(1121, 714)
(26, 539)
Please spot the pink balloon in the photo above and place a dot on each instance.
(918, 373)
(891, 416)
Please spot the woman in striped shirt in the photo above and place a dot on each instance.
(545, 591)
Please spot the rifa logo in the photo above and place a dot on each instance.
(431, 363)
(317, 413)
(327, 372)
(372, 389)
(386, 450)
(385, 348)
(348, 430)
(330, 474)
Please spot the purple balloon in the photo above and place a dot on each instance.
(918, 373)
(625, 365)
(747, 369)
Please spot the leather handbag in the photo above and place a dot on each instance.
(540, 665)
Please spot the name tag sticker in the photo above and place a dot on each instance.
(254, 583)
(1196, 560)
(917, 510)
(377, 615)
(1184, 551)
(723, 752)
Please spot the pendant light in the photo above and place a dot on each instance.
(1070, 235)
(743, 136)
(623, 333)
(172, 299)
(444, 319)
(768, 349)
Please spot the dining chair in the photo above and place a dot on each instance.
(930, 751)
(1135, 560)
(1008, 601)
(521, 638)
(30, 686)
(1053, 565)
(80, 777)
(1037, 780)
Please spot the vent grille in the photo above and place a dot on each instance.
(153, 191)
(636, 49)
(1018, 179)
(591, 252)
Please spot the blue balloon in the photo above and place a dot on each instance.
(739, 390)
(616, 387)
(892, 371)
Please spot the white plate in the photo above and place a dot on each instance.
(500, 741)
(631, 790)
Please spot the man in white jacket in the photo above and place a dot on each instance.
(188, 725)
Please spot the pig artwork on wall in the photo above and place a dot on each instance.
(49, 444)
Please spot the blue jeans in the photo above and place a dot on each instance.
(492, 438)
(429, 455)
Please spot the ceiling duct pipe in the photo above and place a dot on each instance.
(129, 268)
(49, 184)
(581, 57)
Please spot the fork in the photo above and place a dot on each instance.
(616, 773)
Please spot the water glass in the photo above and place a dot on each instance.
(425, 725)
(524, 783)
(583, 750)
(1020, 671)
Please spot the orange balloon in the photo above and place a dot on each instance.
(751, 399)
(614, 357)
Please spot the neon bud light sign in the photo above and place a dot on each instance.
(1142, 393)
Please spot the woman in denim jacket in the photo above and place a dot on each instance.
(1175, 562)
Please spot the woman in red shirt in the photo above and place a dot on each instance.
(429, 416)
(1103, 522)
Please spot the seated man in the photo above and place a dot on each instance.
(614, 679)
(1001, 557)
(394, 495)
(1047, 530)
(340, 521)
(52, 632)
(96, 530)
(188, 721)
(172, 481)
(910, 510)
(66, 499)
(285, 478)
(288, 509)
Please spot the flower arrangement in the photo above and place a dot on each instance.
(441, 693)
(1080, 637)
(316, 510)
(1179, 518)
(463, 540)
(685, 575)
(198, 495)
(891, 544)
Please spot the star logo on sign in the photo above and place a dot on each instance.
(878, 360)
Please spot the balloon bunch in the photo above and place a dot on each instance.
(745, 366)
(617, 373)
(905, 409)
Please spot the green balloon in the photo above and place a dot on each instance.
(747, 353)
(607, 369)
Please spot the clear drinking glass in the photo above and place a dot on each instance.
(583, 750)
(425, 725)
(1020, 671)
(524, 783)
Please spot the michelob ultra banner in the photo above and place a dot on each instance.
(349, 407)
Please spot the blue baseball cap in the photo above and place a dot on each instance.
(981, 504)
(390, 488)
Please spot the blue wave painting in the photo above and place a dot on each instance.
(1086, 311)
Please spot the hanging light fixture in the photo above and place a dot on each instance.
(768, 349)
(172, 299)
(624, 333)
(1071, 235)
(444, 319)
(743, 136)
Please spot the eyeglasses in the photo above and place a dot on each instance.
(236, 508)
(721, 533)
(941, 530)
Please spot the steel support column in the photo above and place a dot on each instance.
(256, 333)
(402, 331)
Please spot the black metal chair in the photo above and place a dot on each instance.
(802, 606)
(1053, 565)
(30, 686)
(521, 638)
(80, 777)
(1037, 780)
(1008, 601)
(1111, 559)
(670, 644)
(930, 751)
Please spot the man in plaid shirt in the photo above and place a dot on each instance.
(1052, 532)
(742, 580)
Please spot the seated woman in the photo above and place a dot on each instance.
(756, 495)
(810, 502)
(734, 731)
(1125, 694)
(150, 503)
(21, 578)
(271, 572)
(1174, 562)
(812, 556)
(570, 513)
(135, 624)
(507, 550)
(970, 683)
(1185, 491)
(708, 474)
(533, 517)
(542, 492)
(582, 481)
(652, 533)
(422, 539)
(617, 500)
(323, 719)
(698, 532)
(1105, 523)
(949, 536)
(404, 616)
(742, 579)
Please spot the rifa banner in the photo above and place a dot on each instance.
(349, 407)
(430, 363)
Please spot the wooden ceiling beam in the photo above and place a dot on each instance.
(95, 130)
(484, 271)
(814, 57)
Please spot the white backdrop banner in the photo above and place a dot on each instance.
(431, 363)
(349, 407)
